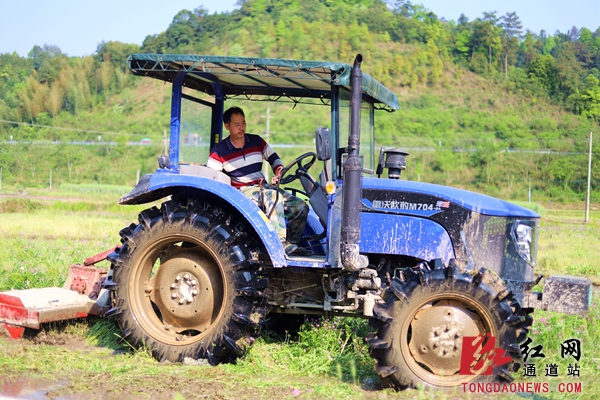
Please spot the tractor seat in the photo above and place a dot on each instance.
(317, 197)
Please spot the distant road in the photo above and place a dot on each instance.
(278, 145)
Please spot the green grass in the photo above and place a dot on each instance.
(324, 347)
(568, 246)
(328, 359)
(43, 232)
(549, 331)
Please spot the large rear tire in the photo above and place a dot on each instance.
(184, 284)
(426, 315)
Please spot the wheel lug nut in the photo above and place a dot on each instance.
(173, 285)
(181, 301)
(174, 295)
(194, 292)
(187, 276)
(194, 282)
(177, 278)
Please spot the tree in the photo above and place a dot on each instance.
(591, 98)
(181, 31)
(569, 69)
(587, 103)
(106, 76)
(492, 33)
(543, 69)
(549, 45)
(155, 43)
(463, 40)
(573, 33)
(511, 34)
(530, 47)
(46, 61)
(402, 7)
(485, 34)
(55, 99)
(463, 20)
(588, 48)
(115, 53)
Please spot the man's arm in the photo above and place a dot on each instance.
(274, 160)
(215, 161)
(272, 157)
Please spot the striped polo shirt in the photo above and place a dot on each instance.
(244, 166)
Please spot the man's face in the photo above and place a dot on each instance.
(236, 126)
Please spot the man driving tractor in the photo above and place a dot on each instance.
(240, 156)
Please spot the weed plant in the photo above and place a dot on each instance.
(333, 347)
(18, 205)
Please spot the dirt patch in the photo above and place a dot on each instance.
(54, 334)
(59, 339)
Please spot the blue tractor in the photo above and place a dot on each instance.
(430, 266)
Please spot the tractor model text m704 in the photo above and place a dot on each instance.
(428, 265)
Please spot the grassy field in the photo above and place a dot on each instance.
(43, 232)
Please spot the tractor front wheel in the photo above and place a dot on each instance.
(427, 315)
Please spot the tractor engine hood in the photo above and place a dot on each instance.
(484, 231)
(427, 199)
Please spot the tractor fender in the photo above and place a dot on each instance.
(407, 235)
(164, 183)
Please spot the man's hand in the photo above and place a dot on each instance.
(277, 176)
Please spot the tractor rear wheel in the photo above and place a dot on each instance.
(427, 314)
(184, 284)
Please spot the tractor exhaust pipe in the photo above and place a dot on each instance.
(352, 196)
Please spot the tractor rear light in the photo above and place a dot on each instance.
(330, 187)
(524, 234)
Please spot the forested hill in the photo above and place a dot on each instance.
(487, 84)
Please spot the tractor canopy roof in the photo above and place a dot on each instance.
(260, 78)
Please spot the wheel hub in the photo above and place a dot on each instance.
(184, 289)
(437, 335)
(188, 290)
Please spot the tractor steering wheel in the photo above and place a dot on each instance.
(302, 168)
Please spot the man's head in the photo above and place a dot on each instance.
(235, 122)
(230, 111)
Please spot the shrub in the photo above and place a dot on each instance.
(18, 205)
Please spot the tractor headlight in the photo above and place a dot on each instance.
(524, 234)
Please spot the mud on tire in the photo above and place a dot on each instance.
(427, 312)
(184, 284)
